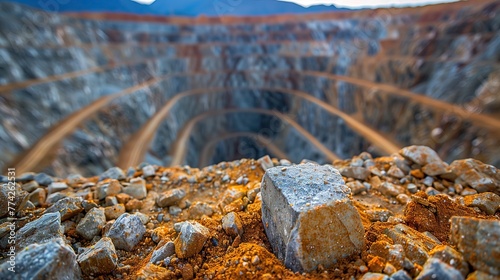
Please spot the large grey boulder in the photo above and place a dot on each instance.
(308, 216)
(51, 260)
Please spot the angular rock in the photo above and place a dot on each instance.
(113, 173)
(136, 189)
(395, 172)
(416, 244)
(126, 232)
(356, 187)
(41, 230)
(170, 197)
(55, 197)
(232, 225)
(51, 260)
(191, 239)
(99, 259)
(296, 202)
(148, 171)
(56, 187)
(114, 188)
(265, 162)
(11, 196)
(435, 168)
(479, 275)
(481, 177)
(68, 207)
(359, 173)
(479, 242)
(437, 269)
(115, 211)
(488, 202)
(91, 224)
(451, 257)
(400, 275)
(37, 197)
(43, 179)
(30, 186)
(421, 155)
(389, 189)
(163, 252)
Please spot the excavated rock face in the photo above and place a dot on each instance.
(265, 219)
(198, 92)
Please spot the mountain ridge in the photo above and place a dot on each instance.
(191, 8)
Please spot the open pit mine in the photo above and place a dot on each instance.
(361, 144)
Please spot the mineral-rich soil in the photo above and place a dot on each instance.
(406, 214)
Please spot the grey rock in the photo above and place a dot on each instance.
(428, 181)
(170, 197)
(148, 171)
(99, 259)
(88, 205)
(113, 173)
(226, 178)
(144, 218)
(451, 257)
(68, 207)
(43, 179)
(41, 230)
(359, 173)
(478, 241)
(91, 224)
(400, 275)
(55, 197)
(437, 269)
(488, 202)
(51, 260)
(56, 187)
(421, 155)
(30, 186)
(232, 225)
(110, 201)
(294, 202)
(412, 188)
(174, 210)
(137, 188)
(481, 177)
(126, 232)
(167, 250)
(285, 162)
(25, 177)
(191, 239)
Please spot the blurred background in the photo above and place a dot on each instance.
(89, 85)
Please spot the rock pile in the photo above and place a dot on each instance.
(421, 218)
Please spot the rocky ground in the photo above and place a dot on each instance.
(420, 218)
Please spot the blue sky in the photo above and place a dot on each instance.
(353, 3)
